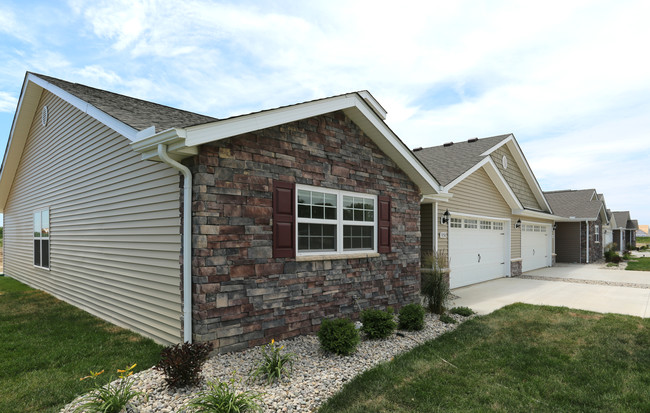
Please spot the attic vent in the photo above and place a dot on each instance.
(417, 149)
(448, 144)
(44, 116)
(472, 140)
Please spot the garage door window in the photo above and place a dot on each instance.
(471, 223)
(486, 224)
(498, 226)
(456, 223)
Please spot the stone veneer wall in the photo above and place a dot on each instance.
(242, 296)
(515, 268)
(595, 248)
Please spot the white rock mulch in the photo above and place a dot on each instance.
(316, 375)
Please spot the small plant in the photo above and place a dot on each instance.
(274, 364)
(111, 398)
(339, 336)
(377, 323)
(464, 311)
(221, 397)
(445, 318)
(435, 285)
(182, 363)
(411, 317)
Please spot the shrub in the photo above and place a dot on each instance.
(627, 256)
(274, 364)
(182, 363)
(435, 287)
(111, 398)
(411, 317)
(377, 324)
(447, 319)
(464, 311)
(339, 336)
(616, 259)
(221, 397)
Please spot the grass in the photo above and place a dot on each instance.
(643, 240)
(46, 345)
(519, 358)
(639, 264)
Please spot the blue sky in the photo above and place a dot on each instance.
(571, 79)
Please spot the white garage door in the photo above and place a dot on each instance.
(534, 246)
(477, 251)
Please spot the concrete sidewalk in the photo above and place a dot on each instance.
(492, 295)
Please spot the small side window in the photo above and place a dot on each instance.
(42, 238)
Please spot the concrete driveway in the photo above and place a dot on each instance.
(590, 287)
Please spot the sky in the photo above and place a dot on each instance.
(570, 79)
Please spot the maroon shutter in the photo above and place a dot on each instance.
(284, 244)
(383, 207)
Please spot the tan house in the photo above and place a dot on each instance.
(185, 227)
(495, 221)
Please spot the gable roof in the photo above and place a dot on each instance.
(581, 205)
(148, 124)
(452, 162)
(623, 220)
(448, 162)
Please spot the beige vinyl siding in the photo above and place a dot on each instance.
(477, 195)
(515, 178)
(114, 223)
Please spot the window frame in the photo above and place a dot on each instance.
(597, 233)
(339, 222)
(40, 239)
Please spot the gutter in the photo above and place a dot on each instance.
(187, 239)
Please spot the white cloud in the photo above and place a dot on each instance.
(7, 102)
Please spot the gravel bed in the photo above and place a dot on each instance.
(316, 375)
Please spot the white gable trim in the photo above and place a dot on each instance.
(514, 147)
(118, 126)
(495, 176)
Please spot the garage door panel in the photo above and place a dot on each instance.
(534, 246)
(476, 254)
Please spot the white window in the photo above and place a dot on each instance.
(456, 223)
(486, 224)
(42, 238)
(597, 233)
(332, 221)
(471, 223)
(498, 226)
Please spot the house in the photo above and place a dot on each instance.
(186, 227)
(645, 230)
(625, 231)
(579, 233)
(495, 221)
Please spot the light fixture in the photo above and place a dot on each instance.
(445, 217)
(518, 224)
(554, 227)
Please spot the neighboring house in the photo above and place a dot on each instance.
(280, 218)
(625, 231)
(645, 230)
(496, 221)
(579, 233)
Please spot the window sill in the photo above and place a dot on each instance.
(338, 256)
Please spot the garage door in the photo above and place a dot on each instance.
(534, 246)
(477, 251)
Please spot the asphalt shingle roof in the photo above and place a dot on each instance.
(574, 203)
(447, 163)
(623, 220)
(137, 113)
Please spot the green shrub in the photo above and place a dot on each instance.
(274, 364)
(435, 286)
(221, 397)
(464, 311)
(616, 259)
(627, 256)
(411, 317)
(182, 363)
(339, 336)
(377, 323)
(447, 319)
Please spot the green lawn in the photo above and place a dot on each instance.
(643, 240)
(46, 345)
(639, 264)
(521, 358)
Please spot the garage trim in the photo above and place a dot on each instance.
(549, 239)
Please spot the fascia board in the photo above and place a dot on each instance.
(215, 131)
(354, 105)
(528, 175)
(372, 102)
(536, 214)
(118, 126)
(173, 139)
(30, 95)
(428, 199)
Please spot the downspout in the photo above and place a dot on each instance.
(587, 241)
(187, 239)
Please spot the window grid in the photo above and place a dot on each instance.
(471, 223)
(486, 224)
(41, 235)
(456, 223)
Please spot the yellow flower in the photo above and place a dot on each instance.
(92, 375)
(272, 340)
